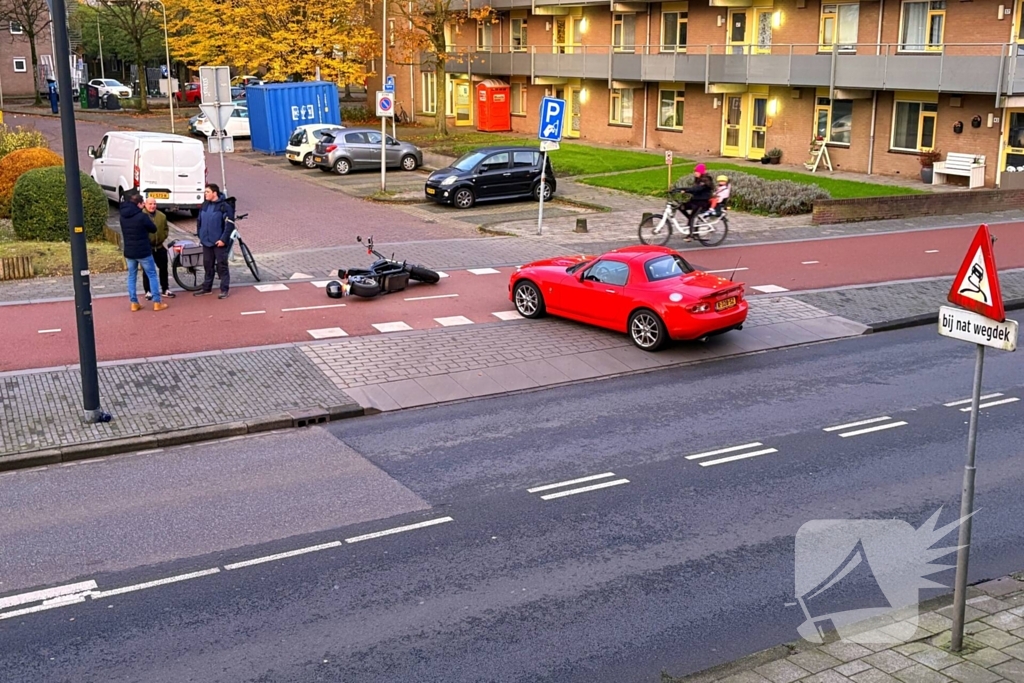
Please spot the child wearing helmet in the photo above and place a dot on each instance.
(722, 193)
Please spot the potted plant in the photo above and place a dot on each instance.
(928, 160)
(766, 159)
(775, 155)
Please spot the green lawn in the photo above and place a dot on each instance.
(654, 182)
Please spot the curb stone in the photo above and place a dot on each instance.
(929, 318)
(292, 419)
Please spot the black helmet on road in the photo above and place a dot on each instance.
(334, 289)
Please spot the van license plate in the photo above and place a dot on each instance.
(159, 195)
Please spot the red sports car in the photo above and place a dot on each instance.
(649, 292)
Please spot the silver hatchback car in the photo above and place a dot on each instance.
(349, 149)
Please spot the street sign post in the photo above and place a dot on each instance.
(385, 109)
(976, 288)
(215, 92)
(552, 118)
(668, 162)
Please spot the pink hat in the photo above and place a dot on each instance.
(700, 169)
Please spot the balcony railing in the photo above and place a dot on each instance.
(964, 68)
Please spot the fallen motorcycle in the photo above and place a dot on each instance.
(384, 276)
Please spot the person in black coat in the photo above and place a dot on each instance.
(136, 226)
(700, 195)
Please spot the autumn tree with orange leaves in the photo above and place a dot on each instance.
(420, 39)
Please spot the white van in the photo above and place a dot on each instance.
(169, 168)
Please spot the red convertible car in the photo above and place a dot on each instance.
(649, 292)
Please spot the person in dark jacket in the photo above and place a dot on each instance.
(136, 226)
(214, 226)
(159, 250)
(700, 195)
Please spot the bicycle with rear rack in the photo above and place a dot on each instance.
(187, 260)
(709, 227)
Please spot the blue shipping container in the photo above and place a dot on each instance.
(277, 109)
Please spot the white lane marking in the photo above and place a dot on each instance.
(153, 584)
(271, 288)
(730, 449)
(46, 594)
(327, 333)
(585, 489)
(312, 308)
(991, 404)
(282, 556)
(931, 251)
(253, 312)
(727, 270)
(399, 529)
(560, 484)
(741, 456)
(49, 331)
(301, 276)
(436, 296)
(392, 327)
(453, 320)
(442, 274)
(808, 263)
(41, 608)
(859, 423)
(770, 289)
(483, 271)
(965, 401)
(321, 283)
(507, 315)
(868, 430)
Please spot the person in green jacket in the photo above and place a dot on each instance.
(157, 240)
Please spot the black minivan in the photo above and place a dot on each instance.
(489, 174)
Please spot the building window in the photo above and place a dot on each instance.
(484, 35)
(518, 37)
(670, 113)
(622, 106)
(518, 98)
(913, 127)
(429, 92)
(839, 26)
(673, 32)
(391, 32)
(449, 99)
(20, 65)
(833, 120)
(567, 33)
(922, 25)
(16, 28)
(624, 32)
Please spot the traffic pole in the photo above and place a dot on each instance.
(966, 511)
(540, 213)
(76, 226)
(383, 149)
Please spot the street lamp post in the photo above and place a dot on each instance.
(167, 54)
(99, 37)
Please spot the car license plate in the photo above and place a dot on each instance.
(293, 156)
(431, 190)
(725, 303)
(159, 195)
(318, 159)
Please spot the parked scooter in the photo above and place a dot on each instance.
(384, 276)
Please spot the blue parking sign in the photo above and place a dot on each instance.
(552, 116)
(389, 84)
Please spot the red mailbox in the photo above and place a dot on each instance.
(493, 106)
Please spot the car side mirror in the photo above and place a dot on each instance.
(582, 275)
(92, 152)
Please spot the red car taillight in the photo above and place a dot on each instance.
(699, 308)
(330, 148)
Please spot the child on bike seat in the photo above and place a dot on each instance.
(721, 197)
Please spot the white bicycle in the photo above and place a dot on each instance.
(708, 227)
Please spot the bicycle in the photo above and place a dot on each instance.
(186, 266)
(401, 116)
(708, 227)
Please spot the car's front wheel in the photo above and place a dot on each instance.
(646, 330)
(342, 166)
(307, 160)
(463, 198)
(537, 191)
(528, 300)
(409, 163)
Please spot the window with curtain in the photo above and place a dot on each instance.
(484, 35)
(913, 126)
(518, 98)
(624, 32)
(670, 111)
(673, 31)
(839, 26)
(923, 24)
(621, 106)
(833, 120)
(518, 37)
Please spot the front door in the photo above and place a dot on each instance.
(750, 31)
(575, 116)
(463, 103)
(733, 129)
(758, 126)
(1013, 154)
(738, 36)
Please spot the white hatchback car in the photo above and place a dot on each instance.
(238, 123)
(300, 145)
(108, 86)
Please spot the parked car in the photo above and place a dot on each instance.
(238, 123)
(169, 168)
(108, 86)
(237, 93)
(247, 80)
(650, 293)
(191, 94)
(303, 141)
(489, 174)
(358, 148)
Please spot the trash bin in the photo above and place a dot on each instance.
(83, 96)
(52, 89)
(92, 96)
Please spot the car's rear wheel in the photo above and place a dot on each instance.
(547, 191)
(463, 198)
(409, 163)
(326, 169)
(307, 161)
(646, 330)
(528, 300)
(342, 166)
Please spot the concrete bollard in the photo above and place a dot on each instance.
(581, 225)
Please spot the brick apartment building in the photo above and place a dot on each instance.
(16, 60)
(884, 80)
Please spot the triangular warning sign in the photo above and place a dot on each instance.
(976, 285)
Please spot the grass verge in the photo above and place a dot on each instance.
(53, 259)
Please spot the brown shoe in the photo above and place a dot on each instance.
(159, 306)
(136, 307)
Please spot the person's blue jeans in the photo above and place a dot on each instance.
(149, 266)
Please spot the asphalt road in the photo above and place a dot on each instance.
(687, 564)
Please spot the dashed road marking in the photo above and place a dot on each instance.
(153, 584)
(581, 480)
(769, 289)
(392, 327)
(507, 315)
(53, 331)
(253, 312)
(965, 401)
(436, 296)
(585, 489)
(582, 489)
(47, 594)
(738, 456)
(809, 263)
(441, 273)
(312, 308)
(282, 556)
(321, 283)
(399, 529)
(730, 449)
(300, 276)
(453, 320)
(859, 423)
(272, 288)
(327, 333)
(991, 404)
(880, 424)
(484, 271)
(931, 251)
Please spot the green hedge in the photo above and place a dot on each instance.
(39, 208)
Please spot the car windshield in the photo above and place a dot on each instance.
(581, 264)
(110, 82)
(664, 267)
(469, 161)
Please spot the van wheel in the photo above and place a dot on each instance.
(307, 160)
(342, 167)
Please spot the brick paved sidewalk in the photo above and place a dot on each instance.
(879, 652)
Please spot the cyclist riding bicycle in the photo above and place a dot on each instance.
(700, 196)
